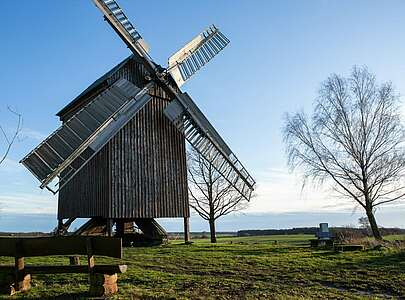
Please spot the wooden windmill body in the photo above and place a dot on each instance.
(141, 173)
(120, 155)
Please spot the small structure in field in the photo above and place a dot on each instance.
(119, 156)
(324, 236)
(323, 232)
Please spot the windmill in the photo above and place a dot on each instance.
(119, 155)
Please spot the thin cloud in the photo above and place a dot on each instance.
(279, 191)
(23, 203)
(11, 166)
(32, 134)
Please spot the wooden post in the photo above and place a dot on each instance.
(187, 230)
(90, 256)
(110, 224)
(100, 284)
(60, 226)
(22, 280)
(120, 228)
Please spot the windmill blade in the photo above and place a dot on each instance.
(197, 53)
(68, 149)
(199, 132)
(121, 24)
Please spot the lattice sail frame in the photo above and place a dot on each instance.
(70, 147)
(196, 54)
(199, 132)
(120, 22)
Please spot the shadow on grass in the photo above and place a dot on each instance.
(326, 253)
(383, 259)
(365, 267)
(260, 251)
(71, 296)
(374, 291)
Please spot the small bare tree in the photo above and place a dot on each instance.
(355, 139)
(211, 195)
(364, 224)
(8, 139)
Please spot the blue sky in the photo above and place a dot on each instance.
(280, 51)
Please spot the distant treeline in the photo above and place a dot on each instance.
(254, 232)
(313, 230)
(336, 231)
(200, 234)
(24, 234)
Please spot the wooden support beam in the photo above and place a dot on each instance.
(187, 230)
(80, 269)
(90, 256)
(129, 227)
(60, 225)
(120, 228)
(95, 226)
(64, 227)
(110, 224)
(60, 245)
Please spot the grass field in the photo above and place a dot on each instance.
(272, 267)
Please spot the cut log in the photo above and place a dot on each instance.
(103, 285)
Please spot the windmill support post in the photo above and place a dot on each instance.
(63, 228)
(187, 230)
(120, 227)
(110, 224)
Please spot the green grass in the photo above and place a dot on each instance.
(272, 267)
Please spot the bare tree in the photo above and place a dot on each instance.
(8, 139)
(211, 195)
(354, 139)
(364, 224)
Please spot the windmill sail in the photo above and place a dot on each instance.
(199, 132)
(72, 145)
(197, 53)
(117, 18)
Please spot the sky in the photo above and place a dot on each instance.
(280, 52)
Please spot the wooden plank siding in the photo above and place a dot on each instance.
(140, 173)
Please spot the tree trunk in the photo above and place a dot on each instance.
(373, 224)
(212, 231)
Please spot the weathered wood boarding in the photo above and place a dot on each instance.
(141, 172)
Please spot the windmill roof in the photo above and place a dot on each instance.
(93, 86)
